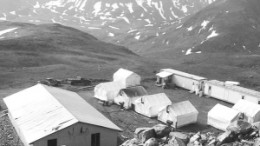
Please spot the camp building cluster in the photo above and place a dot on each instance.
(47, 116)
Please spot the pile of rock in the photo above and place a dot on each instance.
(238, 133)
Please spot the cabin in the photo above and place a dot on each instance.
(127, 78)
(251, 110)
(180, 79)
(49, 116)
(151, 105)
(230, 93)
(221, 116)
(127, 96)
(181, 114)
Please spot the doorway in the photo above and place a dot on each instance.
(52, 142)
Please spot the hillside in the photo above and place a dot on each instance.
(33, 52)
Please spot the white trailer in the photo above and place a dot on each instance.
(230, 93)
(181, 79)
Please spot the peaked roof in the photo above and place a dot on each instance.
(182, 108)
(222, 112)
(156, 99)
(135, 91)
(41, 110)
(122, 74)
(184, 74)
(247, 107)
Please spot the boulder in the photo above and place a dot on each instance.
(226, 137)
(151, 142)
(240, 127)
(195, 137)
(162, 130)
(257, 142)
(131, 142)
(174, 141)
(181, 136)
(143, 134)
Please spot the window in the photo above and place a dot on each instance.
(52, 142)
(258, 102)
(243, 97)
(95, 139)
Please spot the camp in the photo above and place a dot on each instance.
(230, 93)
(127, 78)
(181, 113)
(250, 109)
(128, 95)
(151, 105)
(107, 91)
(221, 116)
(181, 79)
(49, 116)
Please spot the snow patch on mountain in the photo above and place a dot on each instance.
(204, 25)
(213, 34)
(7, 30)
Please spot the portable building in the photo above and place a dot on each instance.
(180, 79)
(221, 116)
(49, 116)
(127, 78)
(107, 91)
(230, 93)
(151, 105)
(127, 96)
(250, 109)
(181, 114)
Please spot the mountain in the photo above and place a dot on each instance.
(123, 22)
(222, 41)
(30, 52)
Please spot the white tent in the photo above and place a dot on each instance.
(128, 95)
(250, 109)
(151, 105)
(182, 113)
(126, 77)
(107, 91)
(221, 116)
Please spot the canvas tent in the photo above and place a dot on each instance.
(42, 114)
(128, 95)
(127, 78)
(151, 105)
(181, 113)
(107, 91)
(221, 116)
(250, 109)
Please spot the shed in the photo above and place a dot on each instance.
(128, 95)
(151, 105)
(221, 116)
(127, 78)
(107, 91)
(181, 113)
(181, 79)
(49, 116)
(250, 109)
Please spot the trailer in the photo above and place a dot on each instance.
(181, 79)
(229, 93)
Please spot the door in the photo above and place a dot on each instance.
(95, 139)
(52, 142)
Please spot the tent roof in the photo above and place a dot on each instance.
(122, 74)
(156, 99)
(222, 112)
(41, 110)
(247, 107)
(180, 73)
(182, 108)
(135, 91)
(110, 86)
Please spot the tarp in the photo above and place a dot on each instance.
(41, 110)
(181, 113)
(128, 95)
(126, 77)
(107, 91)
(164, 74)
(250, 109)
(221, 116)
(151, 105)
